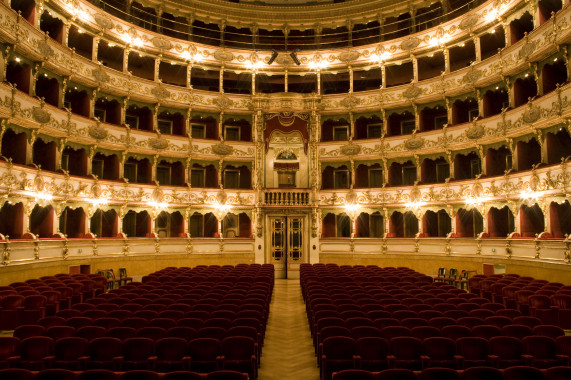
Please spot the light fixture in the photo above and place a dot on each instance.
(273, 57)
(293, 56)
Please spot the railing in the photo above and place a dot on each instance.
(284, 197)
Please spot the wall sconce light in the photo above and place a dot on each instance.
(293, 56)
(273, 57)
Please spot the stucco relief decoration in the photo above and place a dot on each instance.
(45, 49)
(284, 60)
(414, 142)
(222, 149)
(157, 195)
(96, 190)
(100, 75)
(350, 102)
(469, 21)
(531, 115)
(103, 21)
(526, 50)
(350, 149)
(411, 92)
(158, 143)
(221, 197)
(475, 132)
(39, 183)
(477, 190)
(41, 115)
(415, 195)
(223, 56)
(223, 102)
(410, 43)
(97, 132)
(348, 56)
(534, 182)
(472, 76)
(161, 43)
(161, 93)
(351, 197)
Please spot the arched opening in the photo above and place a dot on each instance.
(237, 130)
(402, 174)
(464, 111)
(498, 161)
(492, 41)
(433, 118)
(171, 123)
(42, 221)
(335, 130)
(335, 178)
(528, 154)
(139, 118)
(336, 226)
(520, 27)
(72, 222)
(467, 166)
(105, 224)
(48, 88)
(403, 225)
(237, 177)
(524, 89)
(108, 111)
(553, 74)
(469, 223)
(532, 221)
(401, 123)
(44, 154)
(434, 171)
(80, 41)
(495, 101)
(558, 146)
(105, 167)
(27, 9)
(137, 171)
(74, 161)
(203, 128)
(14, 146)
(78, 101)
(170, 173)
(436, 224)
(203, 176)
(53, 26)
(500, 222)
(369, 176)
(370, 225)
(137, 224)
(12, 220)
(169, 225)
(546, 7)
(368, 127)
(203, 225)
(19, 75)
(560, 219)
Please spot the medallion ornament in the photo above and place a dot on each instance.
(348, 56)
(161, 43)
(161, 93)
(410, 43)
(531, 115)
(97, 132)
(475, 132)
(223, 56)
(100, 75)
(469, 21)
(222, 149)
(350, 149)
(41, 115)
(158, 143)
(411, 92)
(414, 142)
(103, 21)
(223, 102)
(350, 102)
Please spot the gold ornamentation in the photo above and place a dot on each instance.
(350, 149)
(158, 143)
(162, 43)
(410, 43)
(411, 92)
(414, 142)
(97, 132)
(223, 56)
(103, 21)
(469, 21)
(41, 115)
(222, 149)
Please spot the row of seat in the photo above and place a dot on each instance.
(549, 301)
(375, 354)
(165, 355)
(24, 302)
(475, 373)
(413, 312)
(246, 327)
(101, 374)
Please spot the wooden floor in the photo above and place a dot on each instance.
(288, 349)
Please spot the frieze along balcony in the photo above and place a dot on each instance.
(287, 197)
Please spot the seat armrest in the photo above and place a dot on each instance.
(118, 362)
(563, 359)
(48, 361)
(459, 361)
(14, 360)
(527, 358)
(494, 360)
(356, 361)
(220, 361)
(425, 361)
(83, 362)
(391, 361)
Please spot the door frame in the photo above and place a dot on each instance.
(292, 270)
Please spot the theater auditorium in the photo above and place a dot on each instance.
(285, 189)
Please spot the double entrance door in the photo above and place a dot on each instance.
(287, 245)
